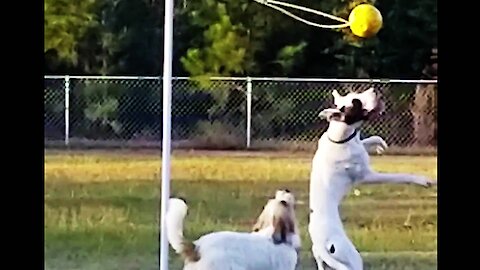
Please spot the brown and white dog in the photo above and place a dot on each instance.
(270, 249)
(266, 216)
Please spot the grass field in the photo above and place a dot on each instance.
(101, 208)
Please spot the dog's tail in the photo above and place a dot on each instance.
(177, 210)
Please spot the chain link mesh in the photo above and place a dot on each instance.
(213, 114)
(54, 109)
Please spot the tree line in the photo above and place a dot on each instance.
(235, 38)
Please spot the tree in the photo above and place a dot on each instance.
(237, 37)
(408, 36)
(424, 107)
(125, 40)
(224, 49)
(65, 23)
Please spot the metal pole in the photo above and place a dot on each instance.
(67, 110)
(167, 122)
(249, 110)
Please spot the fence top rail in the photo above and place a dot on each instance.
(258, 79)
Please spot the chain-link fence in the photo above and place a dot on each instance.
(226, 113)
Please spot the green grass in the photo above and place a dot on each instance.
(101, 209)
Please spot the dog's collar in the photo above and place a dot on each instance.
(346, 139)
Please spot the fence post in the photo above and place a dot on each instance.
(249, 110)
(67, 110)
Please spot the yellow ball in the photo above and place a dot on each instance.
(365, 20)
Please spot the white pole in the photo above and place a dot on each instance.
(67, 110)
(249, 110)
(167, 123)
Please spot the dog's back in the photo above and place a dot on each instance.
(242, 251)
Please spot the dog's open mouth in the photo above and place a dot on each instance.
(331, 114)
(337, 116)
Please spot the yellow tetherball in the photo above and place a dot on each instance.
(365, 20)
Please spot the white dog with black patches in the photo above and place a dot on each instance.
(341, 161)
(269, 249)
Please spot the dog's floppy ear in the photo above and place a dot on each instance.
(370, 99)
(279, 231)
(377, 111)
(335, 94)
(263, 219)
(369, 90)
(377, 102)
(282, 224)
(260, 222)
(337, 98)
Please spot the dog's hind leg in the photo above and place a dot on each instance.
(344, 257)
(338, 253)
(321, 265)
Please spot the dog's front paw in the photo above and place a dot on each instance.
(379, 143)
(427, 182)
(380, 149)
(431, 183)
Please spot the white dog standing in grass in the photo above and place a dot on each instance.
(341, 161)
(268, 249)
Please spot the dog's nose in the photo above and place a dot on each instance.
(284, 203)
